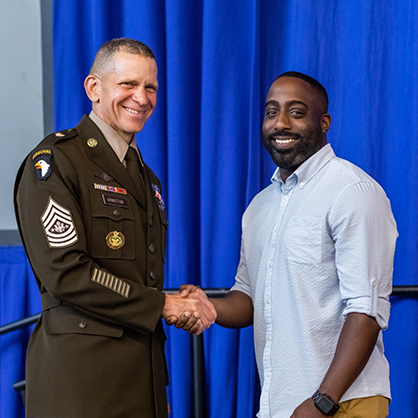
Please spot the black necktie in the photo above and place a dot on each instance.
(134, 170)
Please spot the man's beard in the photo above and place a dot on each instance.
(307, 144)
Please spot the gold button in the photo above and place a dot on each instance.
(92, 142)
(59, 134)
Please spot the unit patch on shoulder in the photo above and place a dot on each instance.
(159, 197)
(58, 225)
(41, 161)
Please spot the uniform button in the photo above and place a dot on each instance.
(82, 324)
(116, 212)
(152, 248)
(150, 222)
(152, 275)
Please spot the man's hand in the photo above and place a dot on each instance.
(307, 409)
(189, 309)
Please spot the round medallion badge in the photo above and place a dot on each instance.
(115, 240)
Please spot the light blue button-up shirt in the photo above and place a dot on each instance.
(315, 249)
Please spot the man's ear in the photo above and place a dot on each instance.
(92, 87)
(325, 122)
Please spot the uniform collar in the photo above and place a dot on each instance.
(117, 143)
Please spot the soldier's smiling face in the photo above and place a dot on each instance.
(126, 95)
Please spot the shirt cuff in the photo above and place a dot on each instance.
(374, 306)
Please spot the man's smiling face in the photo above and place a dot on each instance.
(126, 95)
(295, 123)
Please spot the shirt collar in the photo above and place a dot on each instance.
(117, 143)
(305, 172)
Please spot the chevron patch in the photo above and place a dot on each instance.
(111, 282)
(58, 225)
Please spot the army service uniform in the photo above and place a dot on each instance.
(96, 245)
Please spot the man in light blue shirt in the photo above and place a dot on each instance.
(315, 272)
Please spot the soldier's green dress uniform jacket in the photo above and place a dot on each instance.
(97, 251)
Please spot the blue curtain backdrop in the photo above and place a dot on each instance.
(216, 61)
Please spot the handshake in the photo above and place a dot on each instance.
(190, 309)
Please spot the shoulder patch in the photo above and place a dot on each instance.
(159, 197)
(41, 160)
(58, 225)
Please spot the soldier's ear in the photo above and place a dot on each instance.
(92, 87)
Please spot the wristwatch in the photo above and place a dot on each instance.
(324, 403)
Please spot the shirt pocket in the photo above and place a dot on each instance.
(108, 221)
(303, 240)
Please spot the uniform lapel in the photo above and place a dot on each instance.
(102, 154)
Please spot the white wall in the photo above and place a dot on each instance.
(21, 108)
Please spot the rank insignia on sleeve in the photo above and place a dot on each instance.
(58, 225)
(158, 195)
(42, 163)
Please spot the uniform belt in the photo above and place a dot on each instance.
(49, 302)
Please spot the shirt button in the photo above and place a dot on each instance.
(150, 222)
(152, 275)
(268, 337)
(116, 212)
(82, 324)
(268, 301)
(152, 248)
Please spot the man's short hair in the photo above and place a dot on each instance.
(105, 53)
(314, 83)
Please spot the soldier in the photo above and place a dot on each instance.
(93, 222)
